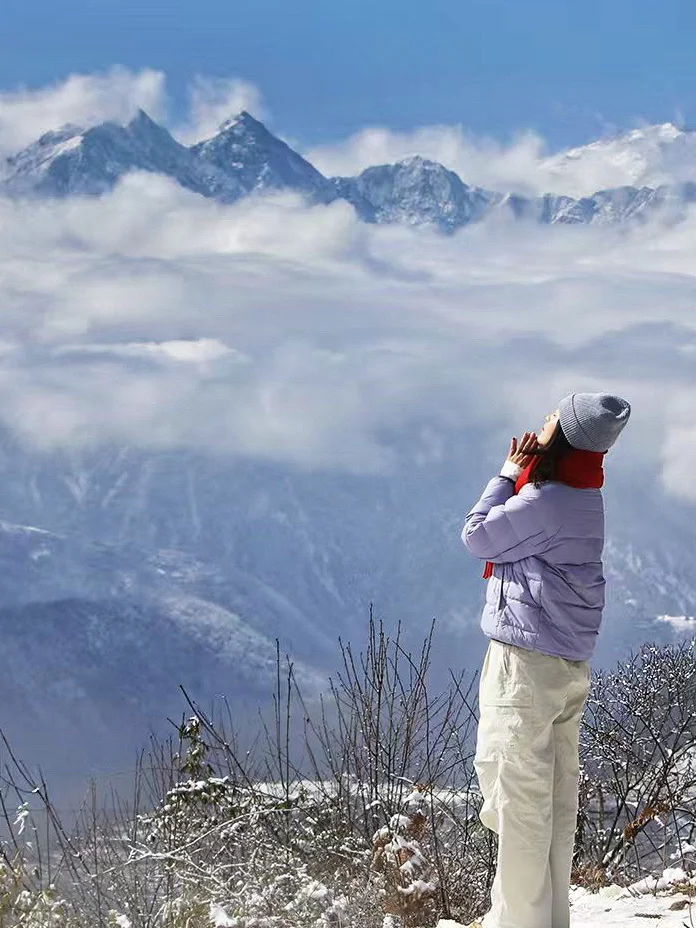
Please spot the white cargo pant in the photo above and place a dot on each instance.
(527, 766)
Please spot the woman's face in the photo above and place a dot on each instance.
(549, 427)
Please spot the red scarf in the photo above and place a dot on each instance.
(580, 469)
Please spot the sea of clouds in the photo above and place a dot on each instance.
(157, 318)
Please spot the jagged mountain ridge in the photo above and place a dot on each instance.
(76, 162)
(244, 157)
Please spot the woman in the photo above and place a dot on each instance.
(540, 528)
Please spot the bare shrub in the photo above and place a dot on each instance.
(638, 789)
(358, 807)
(283, 834)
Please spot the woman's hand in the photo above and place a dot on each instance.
(519, 454)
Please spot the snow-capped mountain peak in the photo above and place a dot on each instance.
(645, 137)
(244, 122)
(414, 191)
(650, 156)
(37, 156)
(141, 119)
(260, 160)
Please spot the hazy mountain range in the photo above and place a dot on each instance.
(155, 570)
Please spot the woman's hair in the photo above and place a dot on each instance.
(549, 455)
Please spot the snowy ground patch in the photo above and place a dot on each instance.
(666, 900)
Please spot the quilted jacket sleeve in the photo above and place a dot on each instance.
(503, 527)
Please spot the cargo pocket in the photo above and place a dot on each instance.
(504, 680)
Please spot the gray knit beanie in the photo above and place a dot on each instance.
(592, 421)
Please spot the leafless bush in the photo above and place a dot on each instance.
(378, 732)
(310, 825)
(283, 834)
(638, 788)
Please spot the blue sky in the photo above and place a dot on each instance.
(567, 70)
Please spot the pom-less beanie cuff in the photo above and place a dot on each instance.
(593, 421)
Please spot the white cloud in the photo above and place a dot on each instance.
(81, 99)
(190, 351)
(157, 318)
(213, 100)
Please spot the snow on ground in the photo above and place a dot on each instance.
(658, 902)
(613, 907)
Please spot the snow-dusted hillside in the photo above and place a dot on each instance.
(98, 638)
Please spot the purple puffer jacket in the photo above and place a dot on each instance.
(546, 592)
